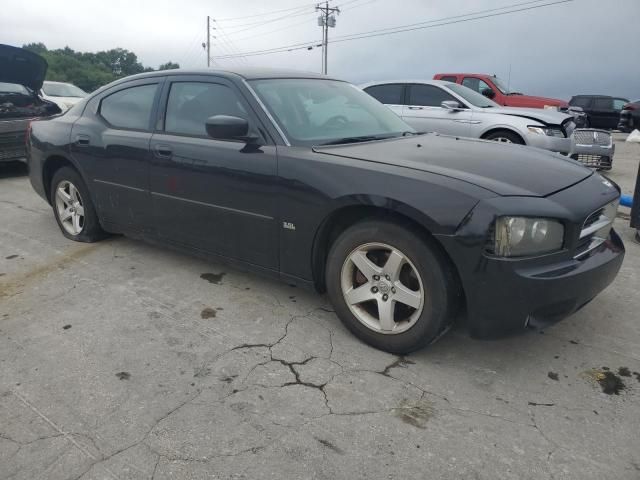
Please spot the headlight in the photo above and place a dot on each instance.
(523, 236)
(549, 132)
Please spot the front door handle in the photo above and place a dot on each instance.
(416, 108)
(82, 140)
(163, 151)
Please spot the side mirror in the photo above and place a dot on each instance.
(451, 105)
(487, 92)
(226, 127)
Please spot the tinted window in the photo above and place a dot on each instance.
(449, 79)
(603, 103)
(580, 102)
(475, 84)
(428, 96)
(129, 108)
(191, 103)
(390, 94)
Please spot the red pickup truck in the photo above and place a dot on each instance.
(492, 87)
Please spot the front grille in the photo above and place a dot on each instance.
(592, 137)
(12, 146)
(596, 227)
(12, 153)
(593, 161)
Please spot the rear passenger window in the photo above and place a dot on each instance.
(190, 104)
(449, 79)
(428, 96)
(129, 108)
(603, 103)
(390, 94)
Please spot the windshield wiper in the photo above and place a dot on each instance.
(364, 138)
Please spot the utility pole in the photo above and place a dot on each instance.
(208, 41)
(326, 20)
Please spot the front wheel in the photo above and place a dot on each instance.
(391, 288)
(504, 136)
(73, 208)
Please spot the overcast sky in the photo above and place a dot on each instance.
(583, 46)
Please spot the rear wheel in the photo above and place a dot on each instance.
(389, 286)
(504, 136)
(73, 208)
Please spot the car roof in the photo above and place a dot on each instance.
(247, 73)
(389, 82)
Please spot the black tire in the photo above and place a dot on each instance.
(438, 279)
(91, 229)
(512, 137)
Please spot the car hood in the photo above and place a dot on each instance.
(21, 66)
(544, 115)
(505, 169)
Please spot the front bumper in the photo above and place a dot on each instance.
(506, 295)
(519, 296)
(592, 147)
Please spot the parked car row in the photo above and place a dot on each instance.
(454, 109)
(598, 111)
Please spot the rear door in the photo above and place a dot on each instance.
(216, 196)
(391, 94)
(603, 115)
(425, 113)
(111, 141)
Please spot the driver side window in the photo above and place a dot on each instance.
(476, 84)
(190, 104)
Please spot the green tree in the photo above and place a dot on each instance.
(90, 70)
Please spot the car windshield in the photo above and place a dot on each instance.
(474, 98)
(319, 112)
(498, 83)
(63, 90)
(13, 88)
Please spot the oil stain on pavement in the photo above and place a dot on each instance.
(415, 413)
(214, 278)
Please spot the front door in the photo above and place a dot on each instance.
(213, 195)
(425, 113)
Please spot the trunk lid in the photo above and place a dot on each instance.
(21, 66)
(507, 170)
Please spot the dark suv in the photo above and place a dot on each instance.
(603, 111)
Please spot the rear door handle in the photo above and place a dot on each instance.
(163, 151)
(82, 140)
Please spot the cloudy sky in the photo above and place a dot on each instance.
(581, 46)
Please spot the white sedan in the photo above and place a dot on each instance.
(65, 95)
(453, 109)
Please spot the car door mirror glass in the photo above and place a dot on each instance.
(451, 105)
(227, 127)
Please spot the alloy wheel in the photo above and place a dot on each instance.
(382, 288)
(69, 207)
(502, 140)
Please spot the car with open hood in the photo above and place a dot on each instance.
(453, 109)
(21, 75)
(309, 180)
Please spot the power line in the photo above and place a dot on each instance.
(406, 28)
(259, 23)
(271, 12)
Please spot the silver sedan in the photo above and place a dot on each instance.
(453, 109)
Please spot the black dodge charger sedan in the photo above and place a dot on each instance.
(310, 180)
